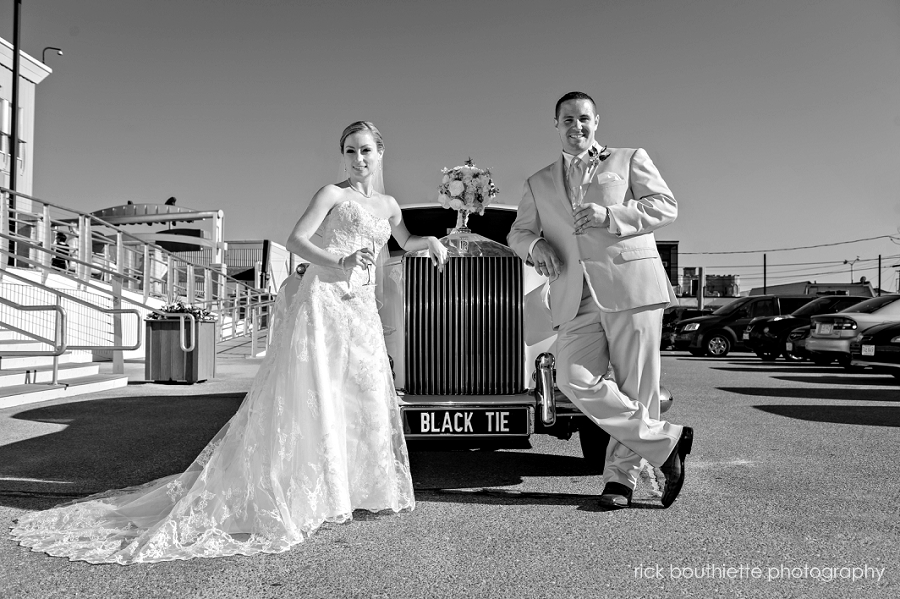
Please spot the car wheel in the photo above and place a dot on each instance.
(767, 355)
(594, 441)
(697, 352)
(717, 345)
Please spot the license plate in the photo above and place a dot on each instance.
(868, 350)
(789, 346)
(473, 422)
(746, 335)
(824, 329)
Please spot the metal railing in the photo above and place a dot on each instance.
(96, 255)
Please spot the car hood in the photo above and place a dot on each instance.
(706, 318)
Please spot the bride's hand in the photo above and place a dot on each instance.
(437, 252)
(361, 258)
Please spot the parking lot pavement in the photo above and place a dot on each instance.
(793, 477)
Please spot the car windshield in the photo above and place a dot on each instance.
(871, 305)
(814, 307)
(731, 307)
(494, 224)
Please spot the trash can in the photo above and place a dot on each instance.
(165, 360)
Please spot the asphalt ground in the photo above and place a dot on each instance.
(791, 491)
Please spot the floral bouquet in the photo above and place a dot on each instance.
(200, 314)
(467, 189)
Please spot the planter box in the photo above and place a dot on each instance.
(165, 362)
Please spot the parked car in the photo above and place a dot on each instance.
(795, 345)
(674, 315)
(878, 347)
(767, 335)
(464, 364)
(723, 331)
(831, 335)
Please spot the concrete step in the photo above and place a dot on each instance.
(44, 374)
(19, 395)
(18, 345)
(32, 362)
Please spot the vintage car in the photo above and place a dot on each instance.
(466, 363)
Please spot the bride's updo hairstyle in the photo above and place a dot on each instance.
(362, 126)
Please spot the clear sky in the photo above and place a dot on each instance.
(775, 122)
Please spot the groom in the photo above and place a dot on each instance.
(586, 222)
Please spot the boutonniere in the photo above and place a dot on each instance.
(595, 156)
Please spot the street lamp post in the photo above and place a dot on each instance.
(851, 263)
(44, 53)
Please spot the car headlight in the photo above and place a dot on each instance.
(896, 339)
(777, 318)
(691, 327)
(858, 338)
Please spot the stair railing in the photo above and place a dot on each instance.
(121, 260)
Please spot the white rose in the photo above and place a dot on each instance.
(445, 180)
(456, 188)
(456, 203)
(444, 199)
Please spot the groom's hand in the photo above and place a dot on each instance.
(590, 215)
(546, 262)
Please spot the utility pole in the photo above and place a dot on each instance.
(14, 132)
(879, 275)
(764, 274)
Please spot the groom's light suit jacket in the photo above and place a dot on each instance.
(620, 259)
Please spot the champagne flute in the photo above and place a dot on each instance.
(370, 280)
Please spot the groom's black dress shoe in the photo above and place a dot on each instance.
(615, 496)
(673, 468)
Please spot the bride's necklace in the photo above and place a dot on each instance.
(362, 193)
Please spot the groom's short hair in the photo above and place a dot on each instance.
(573, 96)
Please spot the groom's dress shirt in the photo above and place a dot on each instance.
(567, 158)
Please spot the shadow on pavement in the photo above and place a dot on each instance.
(865, 415)
(819, 393)
(850, 379)
(770, 367)
(110, 443)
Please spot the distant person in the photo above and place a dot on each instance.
(586, 222)
(60, 260)
(319, 434)
(171, 201)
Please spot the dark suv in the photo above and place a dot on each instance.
(766, 335)
(723, 330)
(672, 316)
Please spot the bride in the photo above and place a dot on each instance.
(318, 435)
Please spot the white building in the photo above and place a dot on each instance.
(31, 72)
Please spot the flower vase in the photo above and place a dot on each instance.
(462, 222)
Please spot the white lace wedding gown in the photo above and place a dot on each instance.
(318, 435)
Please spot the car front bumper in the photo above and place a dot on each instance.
(480, 416)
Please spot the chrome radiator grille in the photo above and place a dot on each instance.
(464, 326)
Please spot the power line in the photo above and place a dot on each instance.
(803, 247)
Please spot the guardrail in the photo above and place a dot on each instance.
(99, 256)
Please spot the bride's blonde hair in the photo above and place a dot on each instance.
(362, 126)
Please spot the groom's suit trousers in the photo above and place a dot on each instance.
(629, 341)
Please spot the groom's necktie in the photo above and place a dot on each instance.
(575, 178)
